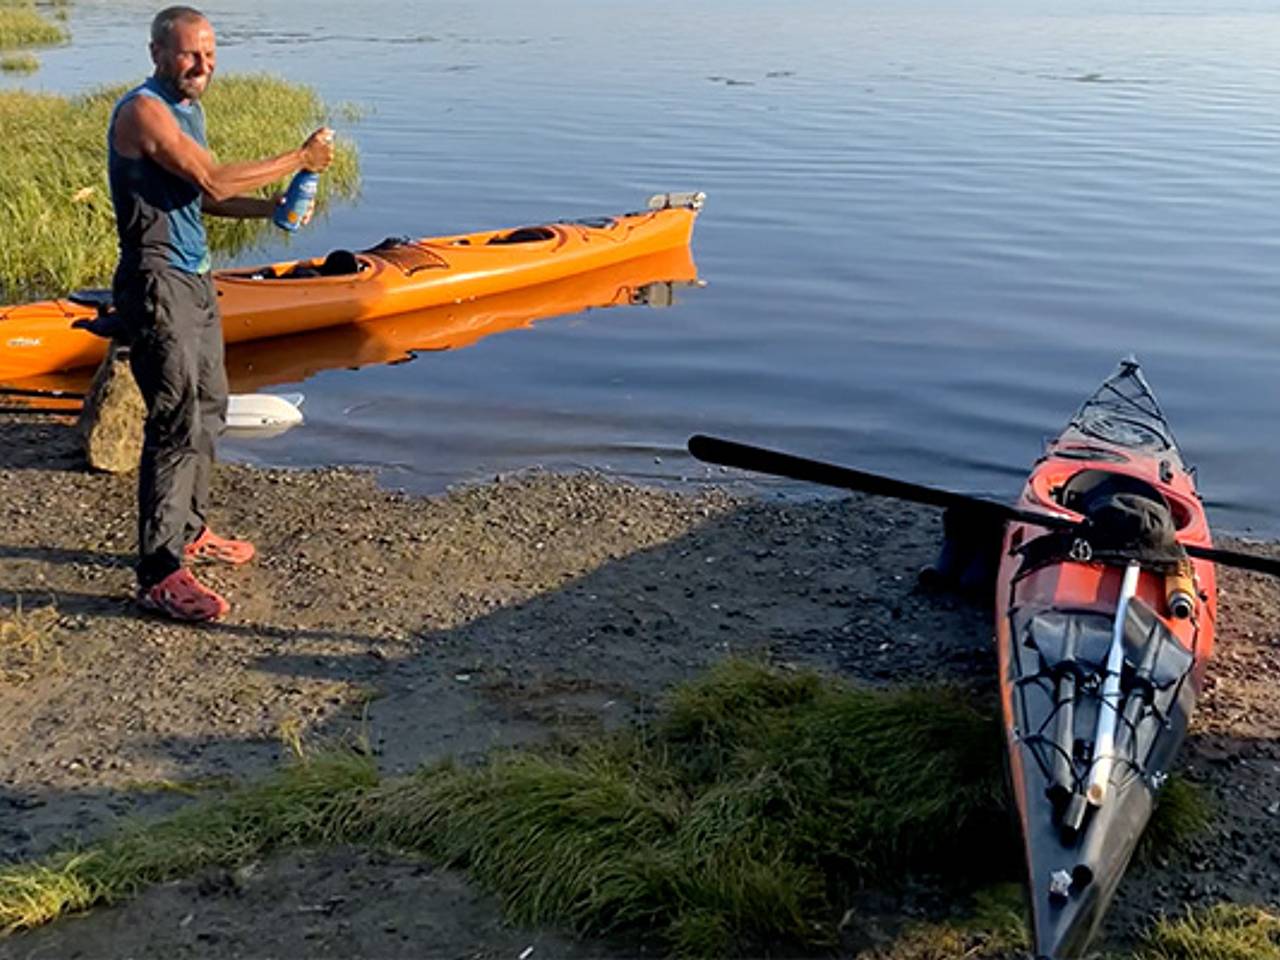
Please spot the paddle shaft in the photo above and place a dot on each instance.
(730, 453)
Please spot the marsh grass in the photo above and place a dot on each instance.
(26, 642)
(22, 25)
(1224, 932)
(735, 821)
(1182, 811)
(19, 63)
(301, 805)
(187, 788)
(993, 930)
(57, 229)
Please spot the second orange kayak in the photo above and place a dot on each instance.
(397, 276)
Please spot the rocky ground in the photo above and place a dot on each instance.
(487, 616)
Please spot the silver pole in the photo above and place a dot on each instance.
(1105, 735)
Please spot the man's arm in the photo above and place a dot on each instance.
(241, 208)
(145, 127)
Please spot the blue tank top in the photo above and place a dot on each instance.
(157, 213)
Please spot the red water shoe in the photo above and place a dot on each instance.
(210, 546)
(181, 596)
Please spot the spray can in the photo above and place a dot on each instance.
(1180, 591)
(298, 200)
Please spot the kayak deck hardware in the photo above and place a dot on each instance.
(693, 199)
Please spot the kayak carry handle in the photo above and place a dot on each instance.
(693, 199)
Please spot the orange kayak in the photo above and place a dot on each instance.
(647, 281)
(396, 277)
(651, 280)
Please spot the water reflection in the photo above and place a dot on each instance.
(260, 364)
(644, 281)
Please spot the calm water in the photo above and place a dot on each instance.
(929, 233)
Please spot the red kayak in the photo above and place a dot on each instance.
(1103, 632)
(1105, 609)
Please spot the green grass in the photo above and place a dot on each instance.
(1224, 932)
(994, 930)
(19, 63)
(57, 230)
(187, 788)
(21, 25)
(736, 821)
(303, 804)
(1182, 811)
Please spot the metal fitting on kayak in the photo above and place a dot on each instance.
(693, 199)
(1180, 591)
(1059, 885)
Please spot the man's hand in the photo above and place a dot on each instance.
(317, 151)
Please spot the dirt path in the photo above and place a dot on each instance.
(448, 625)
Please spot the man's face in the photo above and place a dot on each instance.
(188, 59)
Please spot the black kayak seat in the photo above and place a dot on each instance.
(339, 263)
(523, 235)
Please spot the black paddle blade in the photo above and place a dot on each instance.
(729, 453)
(1234, 558)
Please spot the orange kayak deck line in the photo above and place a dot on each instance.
(397, 276)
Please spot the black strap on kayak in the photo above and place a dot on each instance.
(1063, 545)
(1120, 526)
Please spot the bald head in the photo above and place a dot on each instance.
(168, 19)
(184, 50)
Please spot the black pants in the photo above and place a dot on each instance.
(176, 355)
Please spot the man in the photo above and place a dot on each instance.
(162, 178)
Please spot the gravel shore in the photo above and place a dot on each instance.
(490, 615)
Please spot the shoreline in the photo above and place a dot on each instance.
(496, 614)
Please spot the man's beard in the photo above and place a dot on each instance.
(192, 89)
(188, 88)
